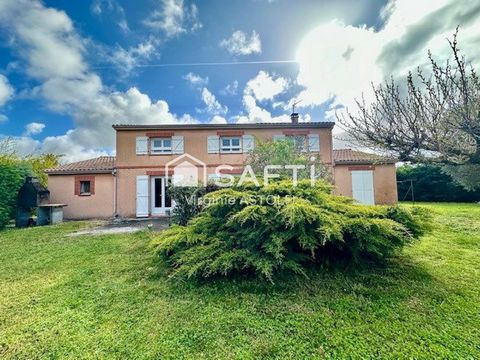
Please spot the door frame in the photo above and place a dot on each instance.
(371, 179)
(156, 211)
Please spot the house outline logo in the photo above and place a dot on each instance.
(188, 170)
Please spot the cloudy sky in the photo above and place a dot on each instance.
(71, 69)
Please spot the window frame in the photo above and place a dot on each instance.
(85, 193)
(294, 139)
(231, 149)
(161, 150)
(81, 178)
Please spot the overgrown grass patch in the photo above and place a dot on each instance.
(106, 297)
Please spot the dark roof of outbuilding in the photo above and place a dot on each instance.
(99, 165)
(349, 156)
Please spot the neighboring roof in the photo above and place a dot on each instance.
(349, 156)
(285, 125)
(100, 165)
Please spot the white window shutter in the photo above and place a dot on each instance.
(177, 145)
(213, 144)
(248, 143)
(141, 145)
(278, 137)
(142, 196)
(314, 143)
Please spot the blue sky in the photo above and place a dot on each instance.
(69, 69)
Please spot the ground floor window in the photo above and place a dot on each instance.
(85, 187)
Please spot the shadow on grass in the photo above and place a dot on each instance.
(397, 278)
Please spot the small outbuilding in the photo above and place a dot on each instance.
(368, 178)
(87, 187)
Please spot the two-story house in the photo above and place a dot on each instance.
(148, 157)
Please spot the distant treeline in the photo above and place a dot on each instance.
(431, 184)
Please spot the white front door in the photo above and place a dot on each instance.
(362, 186)
(142, 196)
(160, 199)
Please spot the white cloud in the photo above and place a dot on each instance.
(174, 17)
(195, 80)
(123, 24)
(240, 44)
(127, 59)
(266, 87)
(338, 62)
(23, 145)
(256, 114)
(328, 73)
(231, 89)
(34, 128)
(212, 106)
(3, 118)
(67, 85)
(218, 120)
(261, 88)
(6, 90)
(98, 7)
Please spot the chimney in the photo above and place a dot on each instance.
(294, 118)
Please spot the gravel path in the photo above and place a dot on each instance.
(125, 226)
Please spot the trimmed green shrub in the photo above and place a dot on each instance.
(281, 227)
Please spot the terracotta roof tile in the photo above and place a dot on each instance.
(349, 156)
(102, 164)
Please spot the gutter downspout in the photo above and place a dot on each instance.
(114, 173)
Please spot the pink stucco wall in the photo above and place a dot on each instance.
(99, 205)
(384, 182)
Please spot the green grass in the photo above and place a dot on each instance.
(107, 297)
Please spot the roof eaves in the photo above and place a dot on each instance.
(317, 124)
(365, 162)
(78, 171)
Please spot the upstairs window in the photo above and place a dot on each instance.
(299, 142)
(230, 144)
(161, 146)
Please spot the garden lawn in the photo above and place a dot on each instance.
(107, 297)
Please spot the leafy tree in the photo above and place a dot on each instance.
(42, 162)
(266, 230)
(284, 152)
(429, 119)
